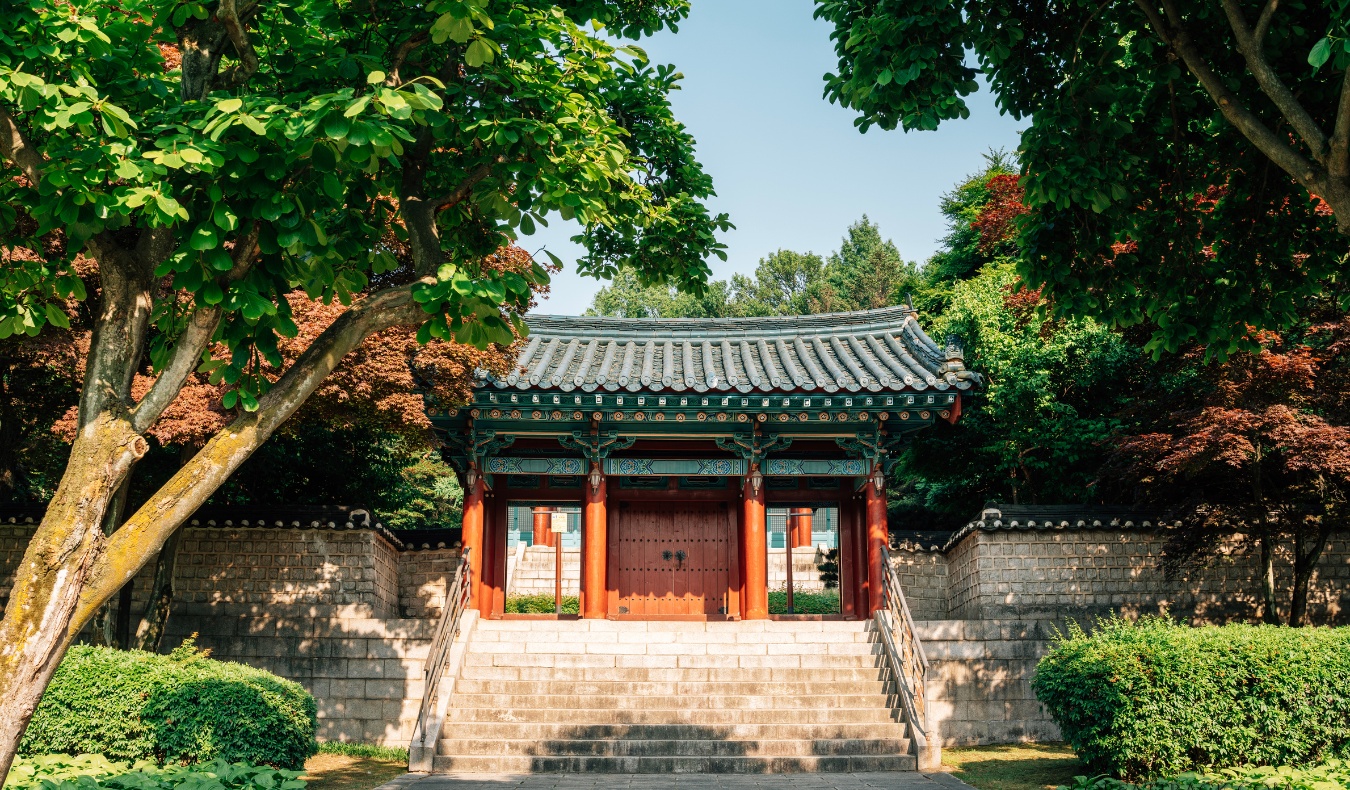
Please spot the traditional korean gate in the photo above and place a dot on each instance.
(673, 559)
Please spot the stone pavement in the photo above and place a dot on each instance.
(897, 780)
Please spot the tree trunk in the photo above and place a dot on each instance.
(1305, 564)
(161, 595)
(38, 624)
(71, 568)
(1272, 613)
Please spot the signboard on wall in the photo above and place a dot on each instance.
(558, 522)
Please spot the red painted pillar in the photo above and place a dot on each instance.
(543, 526)
(877, 537)
(801, 526)
(471, 536)
(860, 585)
(755, 548)
(594, 541)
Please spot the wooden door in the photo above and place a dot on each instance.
(673, 559)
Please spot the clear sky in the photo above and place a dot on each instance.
(789, 167)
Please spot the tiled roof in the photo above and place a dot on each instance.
(872, 350)
(1046, 517)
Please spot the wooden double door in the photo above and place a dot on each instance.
(672, 559)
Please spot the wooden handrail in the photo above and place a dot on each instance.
(456, 602)
(908, 661)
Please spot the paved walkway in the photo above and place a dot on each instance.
(905, 780)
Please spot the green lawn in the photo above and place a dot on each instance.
(1023, 766)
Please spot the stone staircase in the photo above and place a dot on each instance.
(534, 573)
(662, 697)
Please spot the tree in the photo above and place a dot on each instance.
(866, 272)
(205, 160)
(628, 297)
(785, 283)
(1252, 461)
(1184, 167)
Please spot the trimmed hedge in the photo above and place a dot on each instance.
(1332, 776)
(803, 602)
(1152, 698)
(90, 771)
(179, 708)
(540, 604)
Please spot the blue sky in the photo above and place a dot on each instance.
(789, 167)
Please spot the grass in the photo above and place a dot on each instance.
(1019, 766)
(354, 766)
(363, 750)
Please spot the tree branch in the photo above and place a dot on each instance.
(14, 147)
(228, 14)
(1272, 145)
(465, 188)
(1263, 22)
(192, 343)
(120, 327)
(130, 547)
(401, 55)
(1338, 160)
(1271, 84)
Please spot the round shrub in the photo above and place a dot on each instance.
(1153, 698)
(179, 708)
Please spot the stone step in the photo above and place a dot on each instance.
(790, 704)
(666, 765)
(580, 661)
(696, 716)
(776, 675)
(742, 626)
(568, 685)
(536, 731)
(581, 744)
(674, 637)
(601, 648)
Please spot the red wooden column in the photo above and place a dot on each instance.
(471, 536)
(800, 533)
(495, 529)
(543, 526)
(877, 537)
(860, 587)
(594, 541)
(754, 548)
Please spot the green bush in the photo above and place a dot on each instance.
(1335, 775)
(826, 602)
(540, 604)
(179, 708)
(1153, 698)
(90, 771)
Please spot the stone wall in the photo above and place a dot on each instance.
(979, 680)
(924, 576)
(366, 674)
(423, 577)
(1050, 574)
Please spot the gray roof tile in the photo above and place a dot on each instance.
(873, 350)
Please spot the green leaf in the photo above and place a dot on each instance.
(1320, 53)
(374, 77)
(56, 316)
(481, 51)
(229, 105)
(357, 107)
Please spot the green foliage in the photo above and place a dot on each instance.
(1333, 775)
(329, 149)
(1153, 698)
(90, 771)
(1053, 392)
(826, 602)
(829, 569)
(364, 750)
(1145, 199)
(179, 708)
(541, 604)
(865, 273)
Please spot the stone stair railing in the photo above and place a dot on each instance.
(908, 663)
(447, 652)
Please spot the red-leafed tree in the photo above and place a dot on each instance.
(1259, 458)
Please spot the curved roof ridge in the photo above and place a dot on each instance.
(860, 320)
